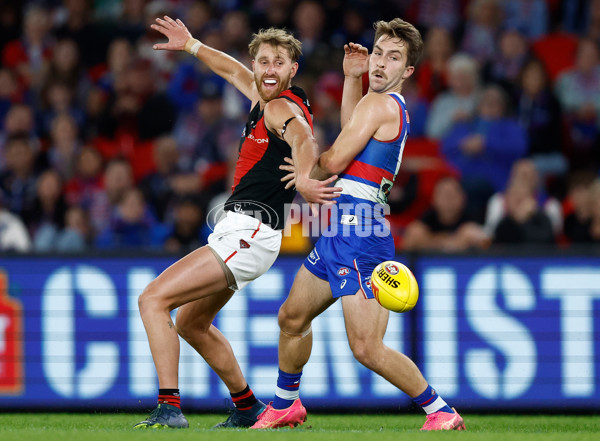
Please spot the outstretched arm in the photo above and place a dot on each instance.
(219, 62)
(356, 63)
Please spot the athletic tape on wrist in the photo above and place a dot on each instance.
(195, 46)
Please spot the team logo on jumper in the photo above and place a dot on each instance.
(343, 271)
(392, 269)
(384, 190)
(313, 256)
(244, 244)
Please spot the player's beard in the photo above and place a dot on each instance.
(267, 94)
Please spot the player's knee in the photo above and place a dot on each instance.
(364, 351)
(291, 322)
(150, 300)
(190, 327)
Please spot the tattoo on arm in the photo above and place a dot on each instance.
(170, 323)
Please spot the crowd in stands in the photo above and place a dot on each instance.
(106, 144)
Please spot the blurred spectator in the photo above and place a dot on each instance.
(524, 222)
(161, 187)
(416, 105)
(524, 174)
(309, 27)
(579, 207)
(272, 13)
(74, 21)
(484, 20)
(206, 138)
(447, 225)
(18, 178)
(132, 225)
(163, 62)
(432, 74)
(10, 94)
(485, 148)
(236, 32)
(48, 208)
(198, 16)
(117, 180)
(105, 79)
(85, 188)
(528, 16)
(459, 102)
(355, 28)
(137, 110)
(445, 14)
(187, 232)
(327, 103)
(578, 91)
(595, 205)
(73, 238)
(540, 115)
(58, 99)
(13, 233)
(131, 23)
(20, 120)
(120, 56)
(504, 68)
(192, 78)
(10, 22)
(575, 16)
(593, 29)
(65, 67)
(64, 145)
(29, 54)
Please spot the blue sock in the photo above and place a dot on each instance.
(288, 390)
(431, 402)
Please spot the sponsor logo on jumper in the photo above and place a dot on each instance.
(258, 140)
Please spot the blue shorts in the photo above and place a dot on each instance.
(347, 262)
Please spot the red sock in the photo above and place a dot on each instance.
(169, 396)
(244, 400)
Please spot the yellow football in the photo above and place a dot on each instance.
(394, 286)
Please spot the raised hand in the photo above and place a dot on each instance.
(356, 60)
(174, 30)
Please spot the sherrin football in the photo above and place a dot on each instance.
(394, 286)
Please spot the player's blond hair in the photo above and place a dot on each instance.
(398, 28)
(276, 37)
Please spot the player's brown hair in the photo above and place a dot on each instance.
(276, 37)
(398, 28)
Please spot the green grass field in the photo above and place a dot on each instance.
(384, 427)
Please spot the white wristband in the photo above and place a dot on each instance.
(195, 48)
(192, 46)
